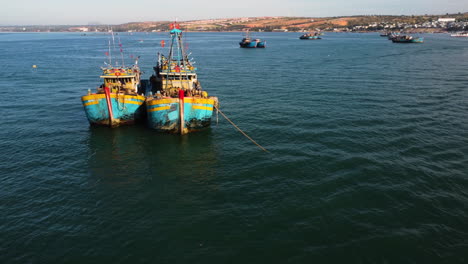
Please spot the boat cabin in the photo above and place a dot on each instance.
(124, 80)
(183, 80)
(174, 75)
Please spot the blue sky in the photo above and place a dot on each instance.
(53, 12)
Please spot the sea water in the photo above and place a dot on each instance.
(367, 162)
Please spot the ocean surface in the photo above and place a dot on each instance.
(367, 162)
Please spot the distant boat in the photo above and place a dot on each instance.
(247, 42)
(311, 36)
(393, 35)
(179, 105)
(260, 43)
(460, 35)
(407, 39)
(386, 34)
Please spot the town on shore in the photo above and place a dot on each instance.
(370, 23)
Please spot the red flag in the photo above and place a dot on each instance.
(107, 53)
(174, 26)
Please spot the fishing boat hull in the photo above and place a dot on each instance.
(310, 38)
(164, 114)
(125, 109)
(252, 44)
(461, 35)
(413, 40)
(261, 44)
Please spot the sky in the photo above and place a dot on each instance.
(83, 12)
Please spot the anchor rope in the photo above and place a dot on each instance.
(240, 130)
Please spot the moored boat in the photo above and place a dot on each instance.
(260, 43)
(248, 42)
(117, 100)
(460, 35)
(313, 36)
(407, 39)
(178, 104)
(393, 35)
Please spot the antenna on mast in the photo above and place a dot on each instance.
(121, 52)
(113, 40)
(110, 55)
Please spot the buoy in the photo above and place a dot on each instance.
(34, 66)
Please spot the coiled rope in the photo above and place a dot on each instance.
(240, 130)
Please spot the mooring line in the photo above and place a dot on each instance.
(240, 130)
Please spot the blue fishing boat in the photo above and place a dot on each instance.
(248, 42)
(178, 104)
(260, 43)
(393, 35)
(311, 36)
(407, 39)
(117, 100)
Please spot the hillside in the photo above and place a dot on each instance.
(287, 23)
(350, 23)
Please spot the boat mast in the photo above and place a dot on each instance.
(110, 55)
(179, 54)
(121, 52)
(169, 59)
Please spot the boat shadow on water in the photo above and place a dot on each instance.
(135, 154)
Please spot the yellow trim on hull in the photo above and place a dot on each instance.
(120, 101)
(91, 103)
(163, 101)
(130, 102)
(176, 100)
(159, 108)
(198, 101)
(113, 95)
(202, 107)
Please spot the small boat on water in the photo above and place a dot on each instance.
(117, 100)
(385, 34)
(460, 35)
(260, 43)
(178, 104)
(407, 39)
(248, 42)
(312, 36)
(392, 35)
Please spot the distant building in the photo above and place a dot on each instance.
(446, 20)
(82, 29)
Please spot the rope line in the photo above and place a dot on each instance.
(240, 130)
